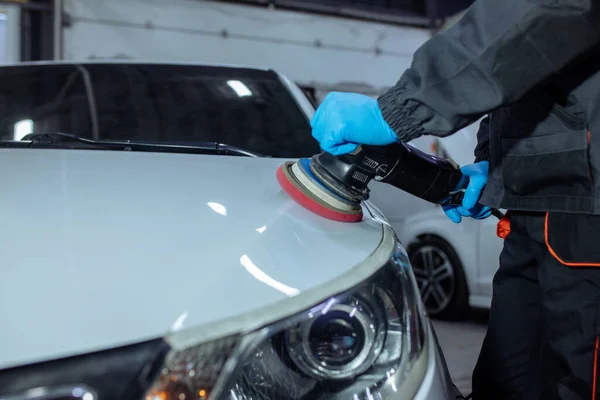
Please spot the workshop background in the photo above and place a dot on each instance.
(322, 45)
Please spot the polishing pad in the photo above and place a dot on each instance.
(303, 186)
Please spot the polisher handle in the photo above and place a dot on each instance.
(423, 175)
(456, 199)
(434, 179)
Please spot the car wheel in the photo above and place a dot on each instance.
(441, 278)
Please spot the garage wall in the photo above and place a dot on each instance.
(318, 51)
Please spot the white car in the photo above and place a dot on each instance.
(136, 267)
(454, 263)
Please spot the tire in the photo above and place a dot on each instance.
(441, 278)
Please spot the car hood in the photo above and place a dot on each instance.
(103, 248)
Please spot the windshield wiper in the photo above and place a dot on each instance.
(66, 140)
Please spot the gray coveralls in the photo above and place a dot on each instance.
(531, 66)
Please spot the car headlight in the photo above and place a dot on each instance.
(364, 342)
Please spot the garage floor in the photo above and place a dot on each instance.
(461, 343)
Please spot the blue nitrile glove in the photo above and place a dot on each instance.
(345, 120)
(477, 174)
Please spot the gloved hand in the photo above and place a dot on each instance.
(477, 174)
(345, 120)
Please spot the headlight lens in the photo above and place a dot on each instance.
(360, 344)
(340, 341)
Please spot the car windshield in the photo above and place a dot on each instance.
(158, 103)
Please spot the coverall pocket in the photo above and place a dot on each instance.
(556, 164)
(572, 239)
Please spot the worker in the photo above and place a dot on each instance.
(531, 68)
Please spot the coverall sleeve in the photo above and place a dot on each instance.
(491, 57)
(482, 150)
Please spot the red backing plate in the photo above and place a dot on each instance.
(305, 201)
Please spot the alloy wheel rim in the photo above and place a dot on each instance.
(435, 277)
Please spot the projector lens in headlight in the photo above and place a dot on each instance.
(341, 341)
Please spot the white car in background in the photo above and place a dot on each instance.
(454, 263)
(140, 259)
